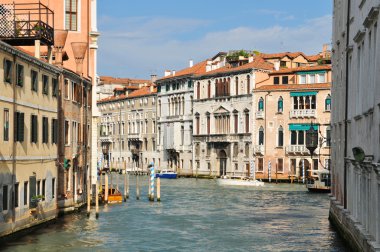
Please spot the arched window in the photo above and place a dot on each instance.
(280, 105)
(198, 90)
(261, 104)
(261, 136)
(280, 136)
(328, 103)
(209, 89)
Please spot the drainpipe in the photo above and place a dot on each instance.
(346, 106)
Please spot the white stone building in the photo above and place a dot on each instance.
(223, 118)
(355, 202)
(175, 118)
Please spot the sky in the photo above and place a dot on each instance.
(140, 38)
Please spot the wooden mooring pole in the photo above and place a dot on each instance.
(97, 200)
(137, 188)
(158, 189)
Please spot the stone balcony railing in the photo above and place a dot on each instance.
(135, 136)
(218, 138)
(259, 149)
(296, 149)
(301, 113)
(105, 138)
(260, 114)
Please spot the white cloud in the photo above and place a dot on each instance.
(141, 46)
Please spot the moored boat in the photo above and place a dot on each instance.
(238, 181)
(166, 174)
(320, 181)
(114, 195)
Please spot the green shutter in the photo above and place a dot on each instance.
(296, 94)
(296, 126)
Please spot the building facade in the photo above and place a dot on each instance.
(128, 129)
(175, 118)
(223, 118)
(355, 201)
(29, 140)
(285, 106)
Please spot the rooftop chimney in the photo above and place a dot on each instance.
(173, 72)
(191, 63)
(167, 73)
(60, 37)
(277, 65)
(79, 50)
(153, 78)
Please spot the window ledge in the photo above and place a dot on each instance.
(259, 172)
(279, 147)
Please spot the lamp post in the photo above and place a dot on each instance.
(311, 139)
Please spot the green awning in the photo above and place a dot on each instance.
(303, 93)
(297, 126)
(311, 72)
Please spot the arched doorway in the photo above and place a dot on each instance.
(222, 156)
(305, 164)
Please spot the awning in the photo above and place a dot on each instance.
(311, 72)
(303, 93)
(297, 126)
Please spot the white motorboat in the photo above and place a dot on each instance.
(239, 181)
(320, 181)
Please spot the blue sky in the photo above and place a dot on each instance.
(140, 38)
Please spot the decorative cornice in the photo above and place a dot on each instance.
(359, 35)
(371, 17)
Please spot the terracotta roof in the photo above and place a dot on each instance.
(144, 91)
(300, 69)
(198, 68)
(293, 87)
(291, 55)
(122, 81)
(314, 57)
(257, 63)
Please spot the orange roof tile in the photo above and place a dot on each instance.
(293, 87)
(300, 69)
(314, 57)
(196, 69)
(281, 55)
(257, 63)
(122, 81)
(144, 91)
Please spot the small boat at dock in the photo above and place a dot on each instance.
(114, 196)
(319, 182)
(238, 181)
(166, 174)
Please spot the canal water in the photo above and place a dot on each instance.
(196, 215)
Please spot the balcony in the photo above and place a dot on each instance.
(259, 149)
(296, 150)
(135, 136)
(105, 138)
(303, 113)
(223, 138)
(23, 23)
(260, 114)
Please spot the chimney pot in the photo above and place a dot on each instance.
(191, 63)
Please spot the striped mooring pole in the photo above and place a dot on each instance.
(152, 176)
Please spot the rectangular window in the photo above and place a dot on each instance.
(302, 79)
(293, 166)
(39, 187)
(5, 197)
(19, 75)
(315, 164)
(285, 80)
(54, 131)
(45, 130)
(19, 127)
(45, 84)
(7, 71)
(53, 188)
(293, 137)
(247, 123)
(43, 192)
(276, 80)
(67, 132)
(67, 91)
(236, 123)
(34, 77)
(280, 165)
(301, 137)
(54, 87)
(6, 124)
(16, 195)
(34, 129)
(260, 166)
(71, 15)
(282, 63)
(312, 78)
(321, 78)
(25, 193)
(328, 137)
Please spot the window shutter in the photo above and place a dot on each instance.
(21, 127)
(15, 127)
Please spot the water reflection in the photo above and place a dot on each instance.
(197, 215)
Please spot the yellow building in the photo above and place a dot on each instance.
(28, 140)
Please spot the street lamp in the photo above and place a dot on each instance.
(311, 139)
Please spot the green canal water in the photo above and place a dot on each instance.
(196, 215)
